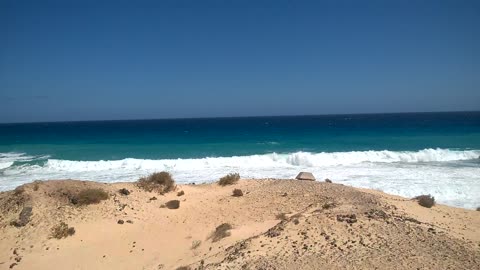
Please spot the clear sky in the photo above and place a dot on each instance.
(143, 59)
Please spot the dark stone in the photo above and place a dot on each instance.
(173, 204)
(153, 198)
(129, 221)
(120, 221)
(181, 193)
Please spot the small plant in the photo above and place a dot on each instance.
(173, 204)
(328, 205)
(425, 200)
(196, 244)
(162, 182)
(281, 216)
(237, 193)
(89, 196)
(62, 231)
(124, 191)
(221, 232)
(181, 193)
(229, 179)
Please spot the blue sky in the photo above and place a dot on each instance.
(142, 59)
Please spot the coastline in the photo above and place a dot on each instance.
(276, 224)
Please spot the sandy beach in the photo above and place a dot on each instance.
(276, 224)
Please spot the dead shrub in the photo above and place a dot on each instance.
(237, 193)
(229, 179)
(196, 244)
(62, 231)
(89, 196)
(221, 232)
(162, 182)
(124, 191)
(425, 200)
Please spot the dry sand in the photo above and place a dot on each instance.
(277, 224)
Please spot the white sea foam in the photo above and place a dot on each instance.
(453, 177)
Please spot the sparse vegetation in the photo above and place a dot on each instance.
(62, 231)
(221, 232)
(162, 182)
(328, 205)
(124, 191)
(196, 244)
(229, 179)
(181, 193)
(18, 190)
(237, 193)
(23, 217)
(425, 200)
(173, 204)
(36, 185)
(89, 196)
(328, 180)
(281, 216)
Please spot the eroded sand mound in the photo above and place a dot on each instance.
(276, 224)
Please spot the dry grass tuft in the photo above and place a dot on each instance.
(62, 231)
(162, 182)
(237, 193)
(425, 200)
(196, 244)
(229, 179)
(89, 196)
(221, 232)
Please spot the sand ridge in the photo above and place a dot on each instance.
(277, 224)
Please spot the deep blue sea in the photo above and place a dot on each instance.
(403, 154)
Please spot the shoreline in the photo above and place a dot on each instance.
(276, 224)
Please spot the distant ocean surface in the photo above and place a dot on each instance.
(403, 154)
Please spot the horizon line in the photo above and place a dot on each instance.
(229, 117)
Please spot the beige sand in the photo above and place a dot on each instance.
(387, 232)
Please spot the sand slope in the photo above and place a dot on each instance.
(323, 226)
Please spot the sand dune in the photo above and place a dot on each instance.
(276, 224)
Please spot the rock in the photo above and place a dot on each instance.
(153, 198)
(328, 180)
(173, 204)
(181, 193)
(129, 221)
(352, 218)
(124, 191)
(120, 221)
(305, 176)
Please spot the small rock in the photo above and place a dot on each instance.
(328, 180)
(181, 193)
(173, 204)
(153, 198)
(120, 221)
(129, 221)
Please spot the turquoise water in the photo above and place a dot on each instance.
(404, 154)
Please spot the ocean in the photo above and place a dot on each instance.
(404, 154)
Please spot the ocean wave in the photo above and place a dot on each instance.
(440, 172)
(303, 159)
